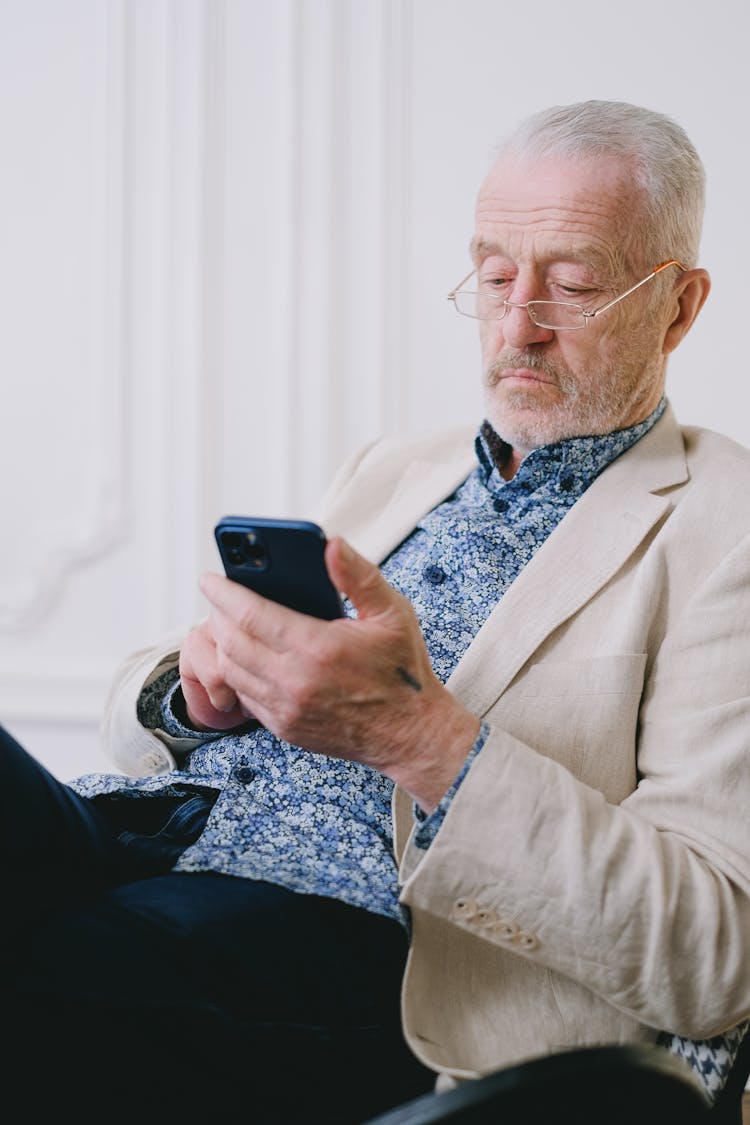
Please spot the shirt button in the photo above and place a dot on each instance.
(434, 574)
(245, 774)
(500, 505)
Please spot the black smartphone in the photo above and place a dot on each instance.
(280, 559)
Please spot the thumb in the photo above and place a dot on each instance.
(358, 578)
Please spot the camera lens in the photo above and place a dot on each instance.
(255, 552)
(245, 549)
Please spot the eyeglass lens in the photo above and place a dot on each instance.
(545, 314)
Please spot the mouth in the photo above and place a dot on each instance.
(525, 375)
(524, 370)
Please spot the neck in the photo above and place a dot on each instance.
(510, 468)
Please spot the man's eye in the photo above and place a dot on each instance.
(575, 291)
(491, 284)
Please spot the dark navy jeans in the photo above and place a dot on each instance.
(131, 993)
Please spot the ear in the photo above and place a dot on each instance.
(690, 291)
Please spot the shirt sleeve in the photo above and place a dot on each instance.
(172, 716)
(161, 706)
(151, 701)
(429, 823)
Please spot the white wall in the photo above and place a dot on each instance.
(227, 229)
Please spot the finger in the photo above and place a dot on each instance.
(201, 676)
(251, 612)
(360, 579)
(239, 653)
(275, 626)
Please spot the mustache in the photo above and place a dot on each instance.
(532, 361)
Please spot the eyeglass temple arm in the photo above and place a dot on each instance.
(632, 289)
(452, 294)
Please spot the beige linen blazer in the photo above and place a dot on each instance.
(590, 883)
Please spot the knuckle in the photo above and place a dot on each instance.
(223, 667)
(326, 657)
(287, 716)
(231, 647)
(247, 619)
(295, 700)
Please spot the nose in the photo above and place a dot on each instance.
(519, 329)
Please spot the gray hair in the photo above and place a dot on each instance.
(665, 164)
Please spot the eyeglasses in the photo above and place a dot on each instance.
(562, 316)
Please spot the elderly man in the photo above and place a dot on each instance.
(544, 663)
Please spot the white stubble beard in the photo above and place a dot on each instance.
(595, 403)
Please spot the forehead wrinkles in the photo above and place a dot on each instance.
(580, 210)
(492, 207)
(573, 234)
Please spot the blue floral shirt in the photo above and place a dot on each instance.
(320, 825)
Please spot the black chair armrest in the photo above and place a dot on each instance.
(617, 1085)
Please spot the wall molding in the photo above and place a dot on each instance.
(346, 251)
(52, 563)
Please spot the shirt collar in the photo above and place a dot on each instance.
(571, 464)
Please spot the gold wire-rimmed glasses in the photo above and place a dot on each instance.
(561, 316)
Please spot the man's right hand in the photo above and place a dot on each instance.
(210, 702)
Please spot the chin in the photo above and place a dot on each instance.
(528, 424)
(527, 429)
(525, 417)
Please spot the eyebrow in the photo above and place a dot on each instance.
(483, 247)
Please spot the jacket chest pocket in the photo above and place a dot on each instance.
(582, 713)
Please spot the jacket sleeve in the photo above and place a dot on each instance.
(645, 902)
(131, 746)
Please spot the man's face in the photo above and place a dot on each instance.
(554, 229)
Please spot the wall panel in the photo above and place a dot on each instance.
(107, 388)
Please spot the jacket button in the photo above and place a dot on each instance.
(465, 908)
(505, 930)
(527, 942)
(485, 917)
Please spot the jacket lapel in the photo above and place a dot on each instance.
(593, 541)
(423, 485)
(587, 548)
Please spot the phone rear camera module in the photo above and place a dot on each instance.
(245, 549)
(255, 552)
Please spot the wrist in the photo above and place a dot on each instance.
(446, 738)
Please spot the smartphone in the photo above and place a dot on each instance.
(280, 559)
